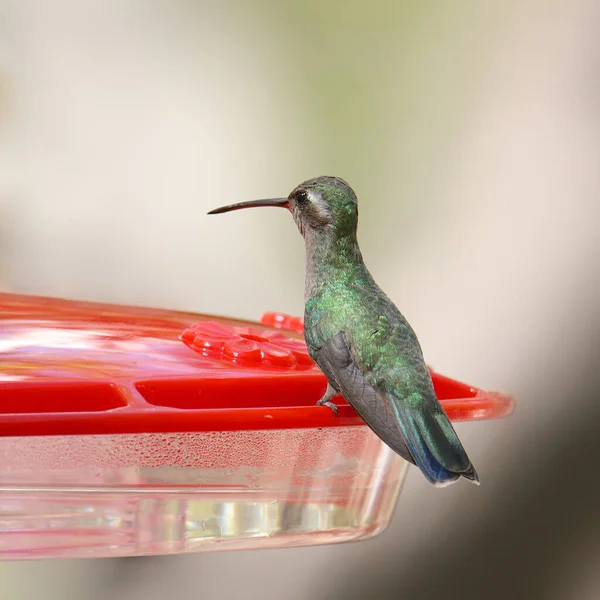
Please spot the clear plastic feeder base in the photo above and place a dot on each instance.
(143, 494)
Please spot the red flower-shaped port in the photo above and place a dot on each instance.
(246, 345)
(282, 321)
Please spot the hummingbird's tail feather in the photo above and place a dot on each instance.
(434, 445)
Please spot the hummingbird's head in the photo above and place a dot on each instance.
(324, 204)
(319, 206)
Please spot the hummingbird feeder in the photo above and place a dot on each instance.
(129, 431)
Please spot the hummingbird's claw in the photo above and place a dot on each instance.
(331, 405)
(325, 400)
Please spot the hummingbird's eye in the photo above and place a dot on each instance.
(301, 197)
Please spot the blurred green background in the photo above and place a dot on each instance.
(471, 134)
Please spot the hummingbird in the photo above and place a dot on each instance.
(359, 339)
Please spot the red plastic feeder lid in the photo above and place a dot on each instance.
(84, 368)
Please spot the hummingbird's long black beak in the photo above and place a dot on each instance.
(281, 202)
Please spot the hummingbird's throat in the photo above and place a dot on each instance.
(328, 256)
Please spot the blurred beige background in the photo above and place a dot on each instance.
(471, 133)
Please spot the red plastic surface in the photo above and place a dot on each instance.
(280, 321)
(84, 368)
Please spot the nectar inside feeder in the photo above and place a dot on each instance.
(128, 431)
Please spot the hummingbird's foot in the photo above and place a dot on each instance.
(325, 400)
(331, 405)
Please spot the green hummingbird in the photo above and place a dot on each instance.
(360, 340)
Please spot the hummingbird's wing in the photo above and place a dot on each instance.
(335, 360)
(417, 429)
